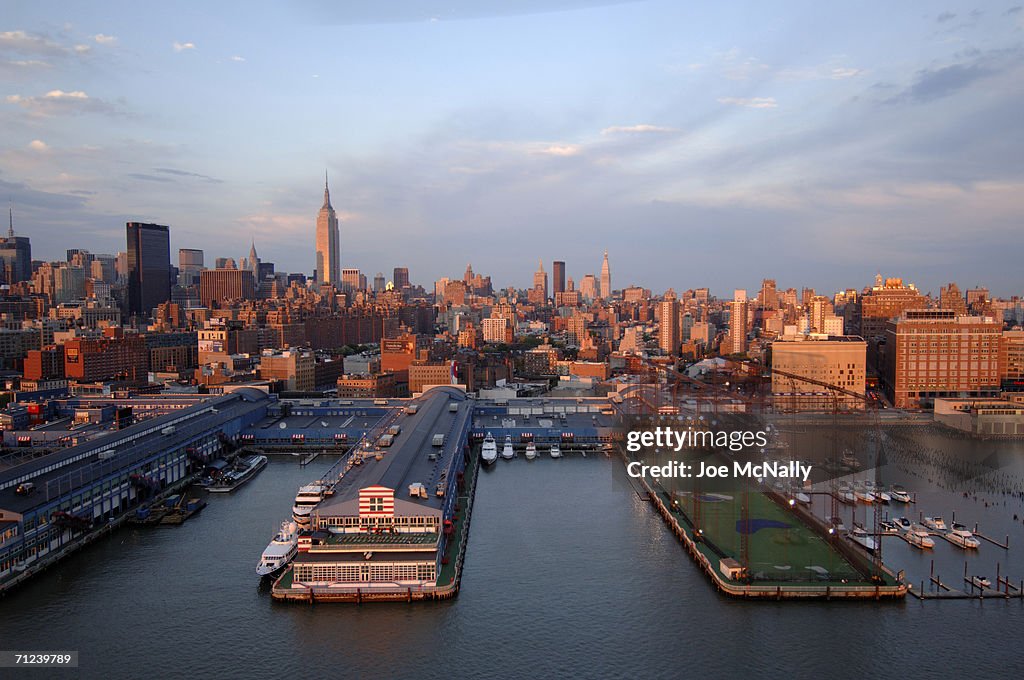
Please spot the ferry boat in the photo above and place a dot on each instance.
(898, 493)
(556, 452)
(489, 451)
(531, 451)
(507, 452)
(961, 536)
(243, 470)
(280, 551)
(934, 523)
(860, 536)
(305, 500)
(919, 538)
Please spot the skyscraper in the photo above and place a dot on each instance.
(328, 247)
(401, 277)
(558, 277)
(15, 255)
(668, 326)
(606, 278)
(738, 323)
(149, 267)
(540, 279)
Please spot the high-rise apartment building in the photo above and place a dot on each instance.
(668, 328)
(738, 323)
(884, 301)
(328, 243)
(149, 267)
(226, 284)
(540, 281)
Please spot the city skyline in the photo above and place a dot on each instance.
(874, 147)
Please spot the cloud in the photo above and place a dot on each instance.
(20, 42)
(750, 102)
(82, 49)
(237, 58)
(184, 173)
(945, 16)
(59, 102)
(38, 145)
(180, 47)
(931, 84)
(561, 150)
(148, 178)
(104, 39)
(636, 129)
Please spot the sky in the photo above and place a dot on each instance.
(705, 145)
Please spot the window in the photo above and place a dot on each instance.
(376, 504)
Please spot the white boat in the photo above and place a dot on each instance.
(846, 494)
(934, 523)
(280, 551)
(836, 523)
(489, 451)
(918, 537)
(889, 527)
(507, 452)
(555, 451)
(903, 523)
(981, 582)
(531, 451)
(801, 497)
(882, 496)
(243, 470)
(863, 495)
(898, 493)
(961, 536)
(305, 500)
(860, 536)
(849, 460)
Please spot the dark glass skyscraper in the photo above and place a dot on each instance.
(15, 256)
(149, 267)
(558, 277)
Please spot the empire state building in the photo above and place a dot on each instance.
(328, 247)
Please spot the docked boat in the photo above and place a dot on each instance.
(903, 523)
(556, 452)
(934, 523)
(489, 451)
(849, 460)
(981, 582)
(898, 493)
(280, 551)
(243, 470)
(305, 500)
(507, 452)
(803, 498)
(836, 523)
(961, 536)
(918, 537)
(531, 451)
(846, 494)
(860, 536)
(888, 526)
(882, 496)
(863, 495)
(183, 510)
